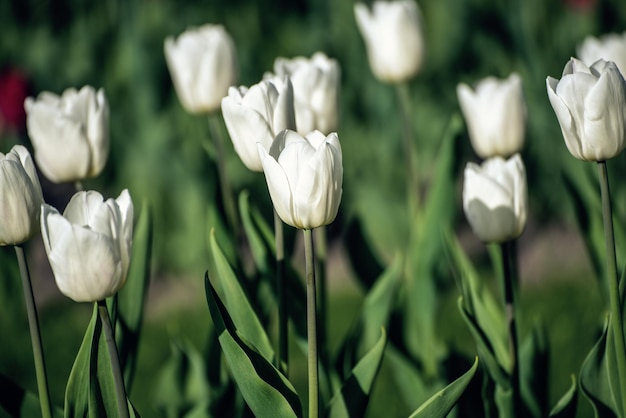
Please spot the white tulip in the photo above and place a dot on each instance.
(203, 65)
(495, 113)
(89, 246)
(256, 115)
(495, 198)
(611, 47)
(316, 83)
(69, 133)
(20, 195)
(393, 37)
(590, 104)
(304, 176)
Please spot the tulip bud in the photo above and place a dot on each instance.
(258, 114)
(69, 133)
(203, 65)
(20, 195)
(304, 176)
(611, 47)
(89, 246)
(590, 104)
(316, 91)
(495, 113)
(495, 198)
(392, 32)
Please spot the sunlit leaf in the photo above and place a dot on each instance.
(351, 400)
(566, 406)
(266, 391)
(236, 301)
(442, 402)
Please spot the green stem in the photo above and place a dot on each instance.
(35, 335)
(120, 390)
(322, 288)
(509, 304)
(282, 357)
(227, 193)
(611, 264)
(412, 177)
(311, 320)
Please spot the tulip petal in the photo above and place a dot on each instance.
(246, 128)
(278, 186)
(83, 261)
(605, 115)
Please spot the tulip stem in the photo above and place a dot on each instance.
(226, 189)
(282, 357)
(120, 390)
(611, 264)
(311, 320)
(35, 335)
(412, 177)
(322, 289)
(506, 249)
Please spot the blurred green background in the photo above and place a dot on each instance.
(157, 153)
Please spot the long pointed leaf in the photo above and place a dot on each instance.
(237, 303)
(351, 400)
(566, 406)
(441, 403)
(266, 391)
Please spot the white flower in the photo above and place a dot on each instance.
(393, 37)
(611, 47)
(316, 83)
(495, 113)
(495, 198)
(89, 246)
(203, 64)
(304, 176)
(69, 133)
(258, 114)
(20, 195)
(590, 104)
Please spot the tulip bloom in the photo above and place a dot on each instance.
(203, 65)
(590, 104)
(611, 47)
(69, 133)
(304, 176)
(89, 246)
(495, 198)
(316, 91)
(392, 32)
(258, 114)
(20, 195)
(495, 113)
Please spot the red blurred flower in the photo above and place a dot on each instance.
(13, 92)
(581, 5)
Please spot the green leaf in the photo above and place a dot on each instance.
(18, 402)
(182, 380)
(375, 313)
(413, 388)
(351, 400)
(566, 406)
(483, 315)
(266, 391)
(534, 362)
(594, 379)
(256, 242)
(90, 390)
(441, 403)
(130, 300)
(237, 303)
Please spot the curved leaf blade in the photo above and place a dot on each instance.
(266, 391)
(351, 400)
(442, 402)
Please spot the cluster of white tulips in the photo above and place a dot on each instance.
(286, 127)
